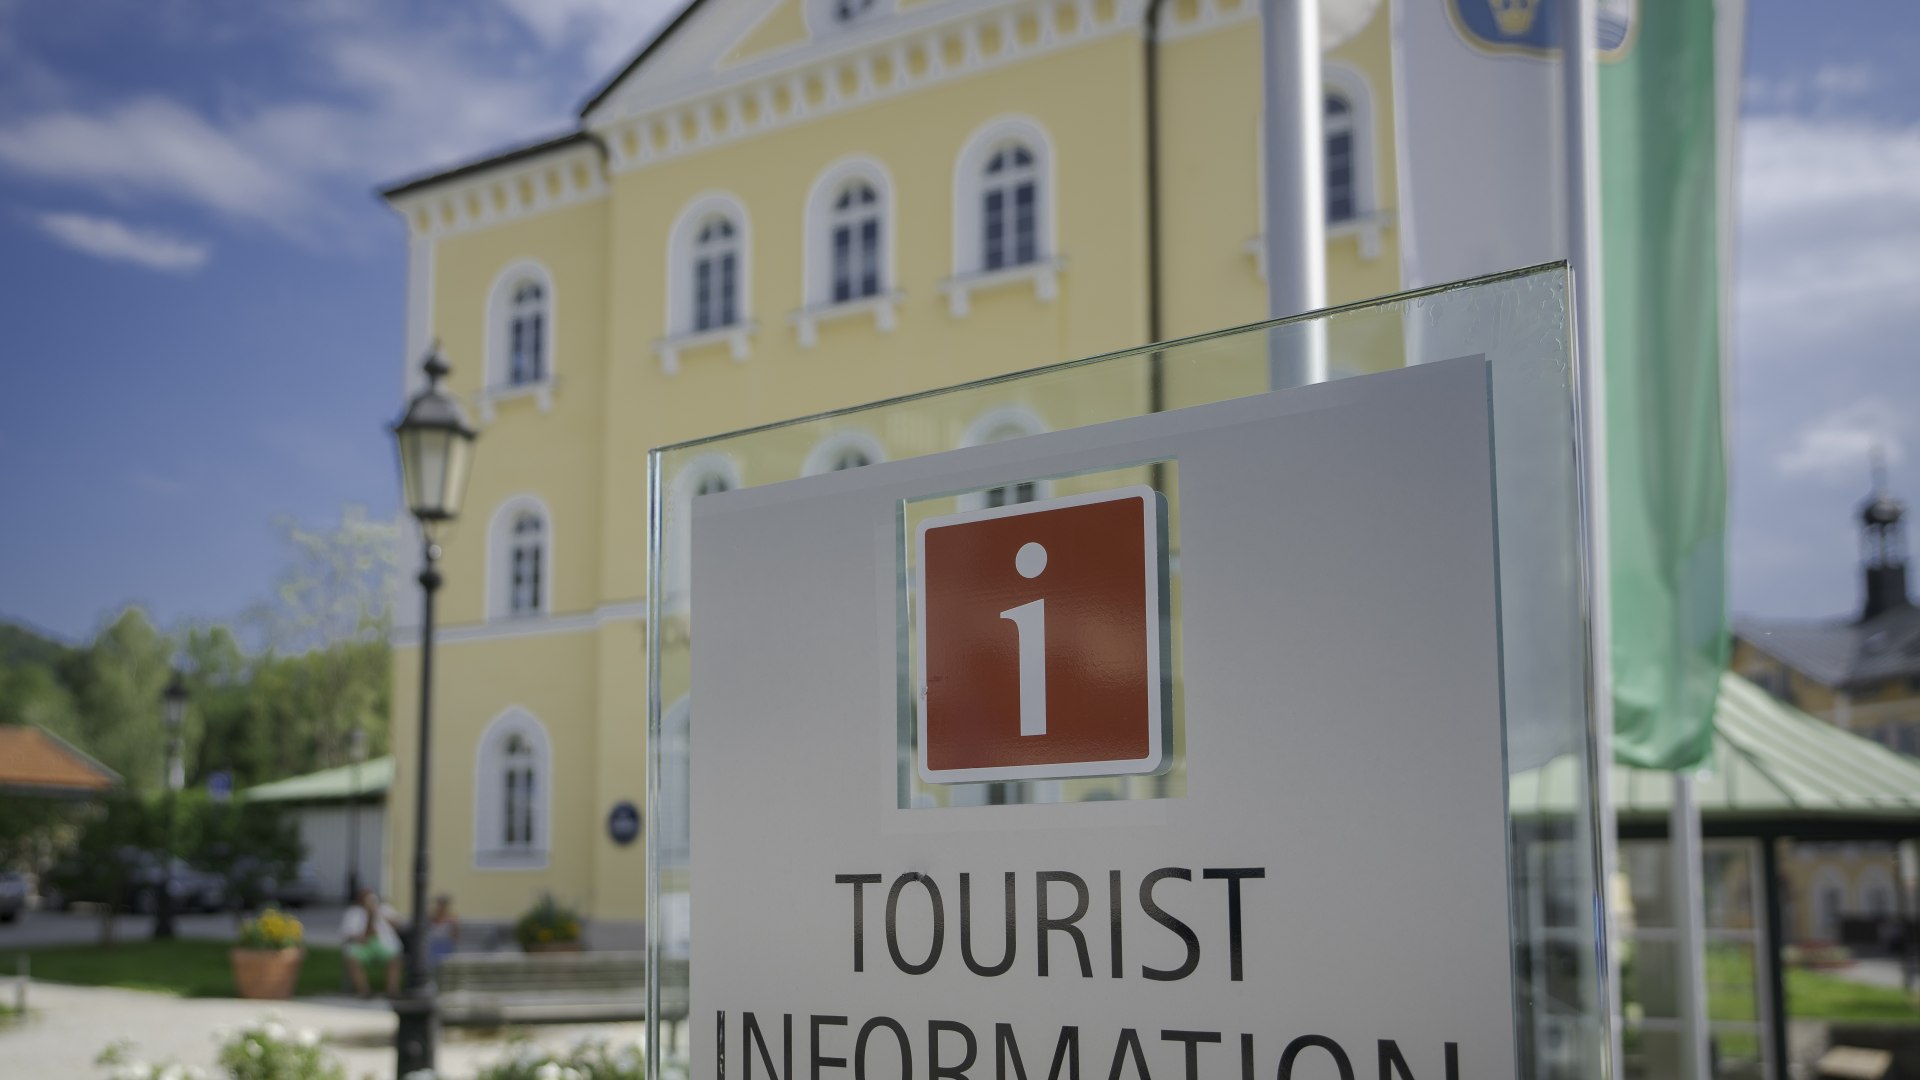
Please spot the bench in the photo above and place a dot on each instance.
(494, 988)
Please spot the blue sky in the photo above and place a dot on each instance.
(203, 301)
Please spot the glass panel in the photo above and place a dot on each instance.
(1519, 323)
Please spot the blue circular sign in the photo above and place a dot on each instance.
(623, 822)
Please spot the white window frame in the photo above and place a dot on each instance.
(998, 425)
(500, 547)
(489, 793)
(821, 458)
(1368, 220)
(970, 273)
(679, 526)
(499, 337)
(682, 334)
(816, 272)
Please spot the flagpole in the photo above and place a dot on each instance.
(1294, 196)
(1581, 121)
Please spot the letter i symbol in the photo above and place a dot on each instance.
(1030, 623)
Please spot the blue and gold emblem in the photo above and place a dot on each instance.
(1533, 26)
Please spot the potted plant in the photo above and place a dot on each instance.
(548, 927)
(266, 959)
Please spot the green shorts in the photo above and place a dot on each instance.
(369, 952)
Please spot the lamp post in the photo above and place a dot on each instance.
(356, 753)
(436, 444)
(173, 710)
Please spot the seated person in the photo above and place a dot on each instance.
(443, 930)
(371, 939)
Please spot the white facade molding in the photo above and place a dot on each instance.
(873, 61)
(735, 338)
(969, 187)
(521, 189)
(1043, 275)
(816, 277)
(828, 451)
(681, 241)
(613, 614)
(885, 309)
(1368, 231)
(498, 330)
(487, 402)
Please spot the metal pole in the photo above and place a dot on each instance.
(163, 904)
(1295, 192)
(1776, 988)
(1689, 921)
(1581, 120)
(353, 831)
(419, 1016)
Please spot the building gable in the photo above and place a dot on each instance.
(783, 26)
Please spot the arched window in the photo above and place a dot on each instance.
(520, 326)
(512, 793)
(842, 451)
(709, 273)
(716, 275)
(1010, 208)
(527, 339)
(529, 551)
(1343, 195)
(849, 247)
(520, 559)
(1003, 212)
(1011, 422)
(708, 475)
(855, 238)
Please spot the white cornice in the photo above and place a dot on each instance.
(916, 52)
(519, 189)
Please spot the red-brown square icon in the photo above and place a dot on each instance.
(1040, 638)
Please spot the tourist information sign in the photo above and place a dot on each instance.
(1170, 746)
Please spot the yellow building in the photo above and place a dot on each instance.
(1861, 674)
(782, 207)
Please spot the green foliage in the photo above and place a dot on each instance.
(269, 1051)
(547, 923)
(589, 1059)
(187, 968)
(246, 843)
(1815, 995)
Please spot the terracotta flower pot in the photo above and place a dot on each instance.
(266, 974)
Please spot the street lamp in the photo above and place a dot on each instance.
(436, 445)
(173, 710)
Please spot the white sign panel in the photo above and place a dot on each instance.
(1327, 898)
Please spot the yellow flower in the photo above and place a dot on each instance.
(546, 934)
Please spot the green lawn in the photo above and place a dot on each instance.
(186, 968)
(1818, 995)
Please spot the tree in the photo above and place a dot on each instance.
(117, 682)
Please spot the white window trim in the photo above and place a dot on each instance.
(884, 307)
(499, 590)
(679, 528)
(735, 337)
(981, 433)
(820, 458)
(816, 270)
(1043, 274)
(969, 173)
(488, 797)
(498, 333)
(681, 334)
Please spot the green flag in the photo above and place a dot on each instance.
(1660, 214)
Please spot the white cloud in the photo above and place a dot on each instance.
(1830, 222)
(609, 30)
(1837, 445)
(106, 238)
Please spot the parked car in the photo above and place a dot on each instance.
(192, 888)
(13, 895)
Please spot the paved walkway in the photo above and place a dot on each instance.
(67, 1026)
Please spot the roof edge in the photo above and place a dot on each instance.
(491, 161)
(606, 89)
(114, 779)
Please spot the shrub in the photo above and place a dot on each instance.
(272, 930)
(268, 1051)
(547, 923)
(589, 1059)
